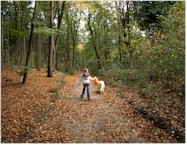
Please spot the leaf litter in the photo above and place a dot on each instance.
(43, 112)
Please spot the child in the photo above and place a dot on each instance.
(85, 79)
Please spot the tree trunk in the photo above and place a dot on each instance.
(50, 58)
(107, 52)
(68, 67)
(29, 47)
(57, 37)
(18, 48)
(73, 57)
(119, 45)
(39, 54)
(72, 28)
(99, 38)
(24, 49)
(124, 16)
(94, 45)
(119, 41)
(128, 33)
(3, 54)
(74, 32)
(17, 27)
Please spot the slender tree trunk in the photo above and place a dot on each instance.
(128, 33)
(119, 46)
(45, 42)
(57, 37)
(74, 31)
(94, 45)
(99, 37)
(124, 17)
(72, 28)
(39, 54)
(18, 24)
(68, 67)
(19, 29)
(119, 42)
(51, 38)
(24, 50)
(73, 57)
(50, 58)
(22, 53)
(107, 53)
(3, 54)
(8, 39)
(29, 47)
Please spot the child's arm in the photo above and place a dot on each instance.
(91, 78)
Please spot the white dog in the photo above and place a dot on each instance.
(100, 84)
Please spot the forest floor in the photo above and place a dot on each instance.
(50, 110)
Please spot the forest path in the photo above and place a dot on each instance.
(96, 120)
(50, 110)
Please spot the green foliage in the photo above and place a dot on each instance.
(156, 64)
(149, 14)
(155, 33)
(131, 78)
(169, 51)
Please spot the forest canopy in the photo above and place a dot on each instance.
(136, 42)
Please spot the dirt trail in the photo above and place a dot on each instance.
(43, 112)
(106, 118)
(97, 121)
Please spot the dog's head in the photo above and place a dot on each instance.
(96, 81)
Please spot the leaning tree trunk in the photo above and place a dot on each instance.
(29, 47)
